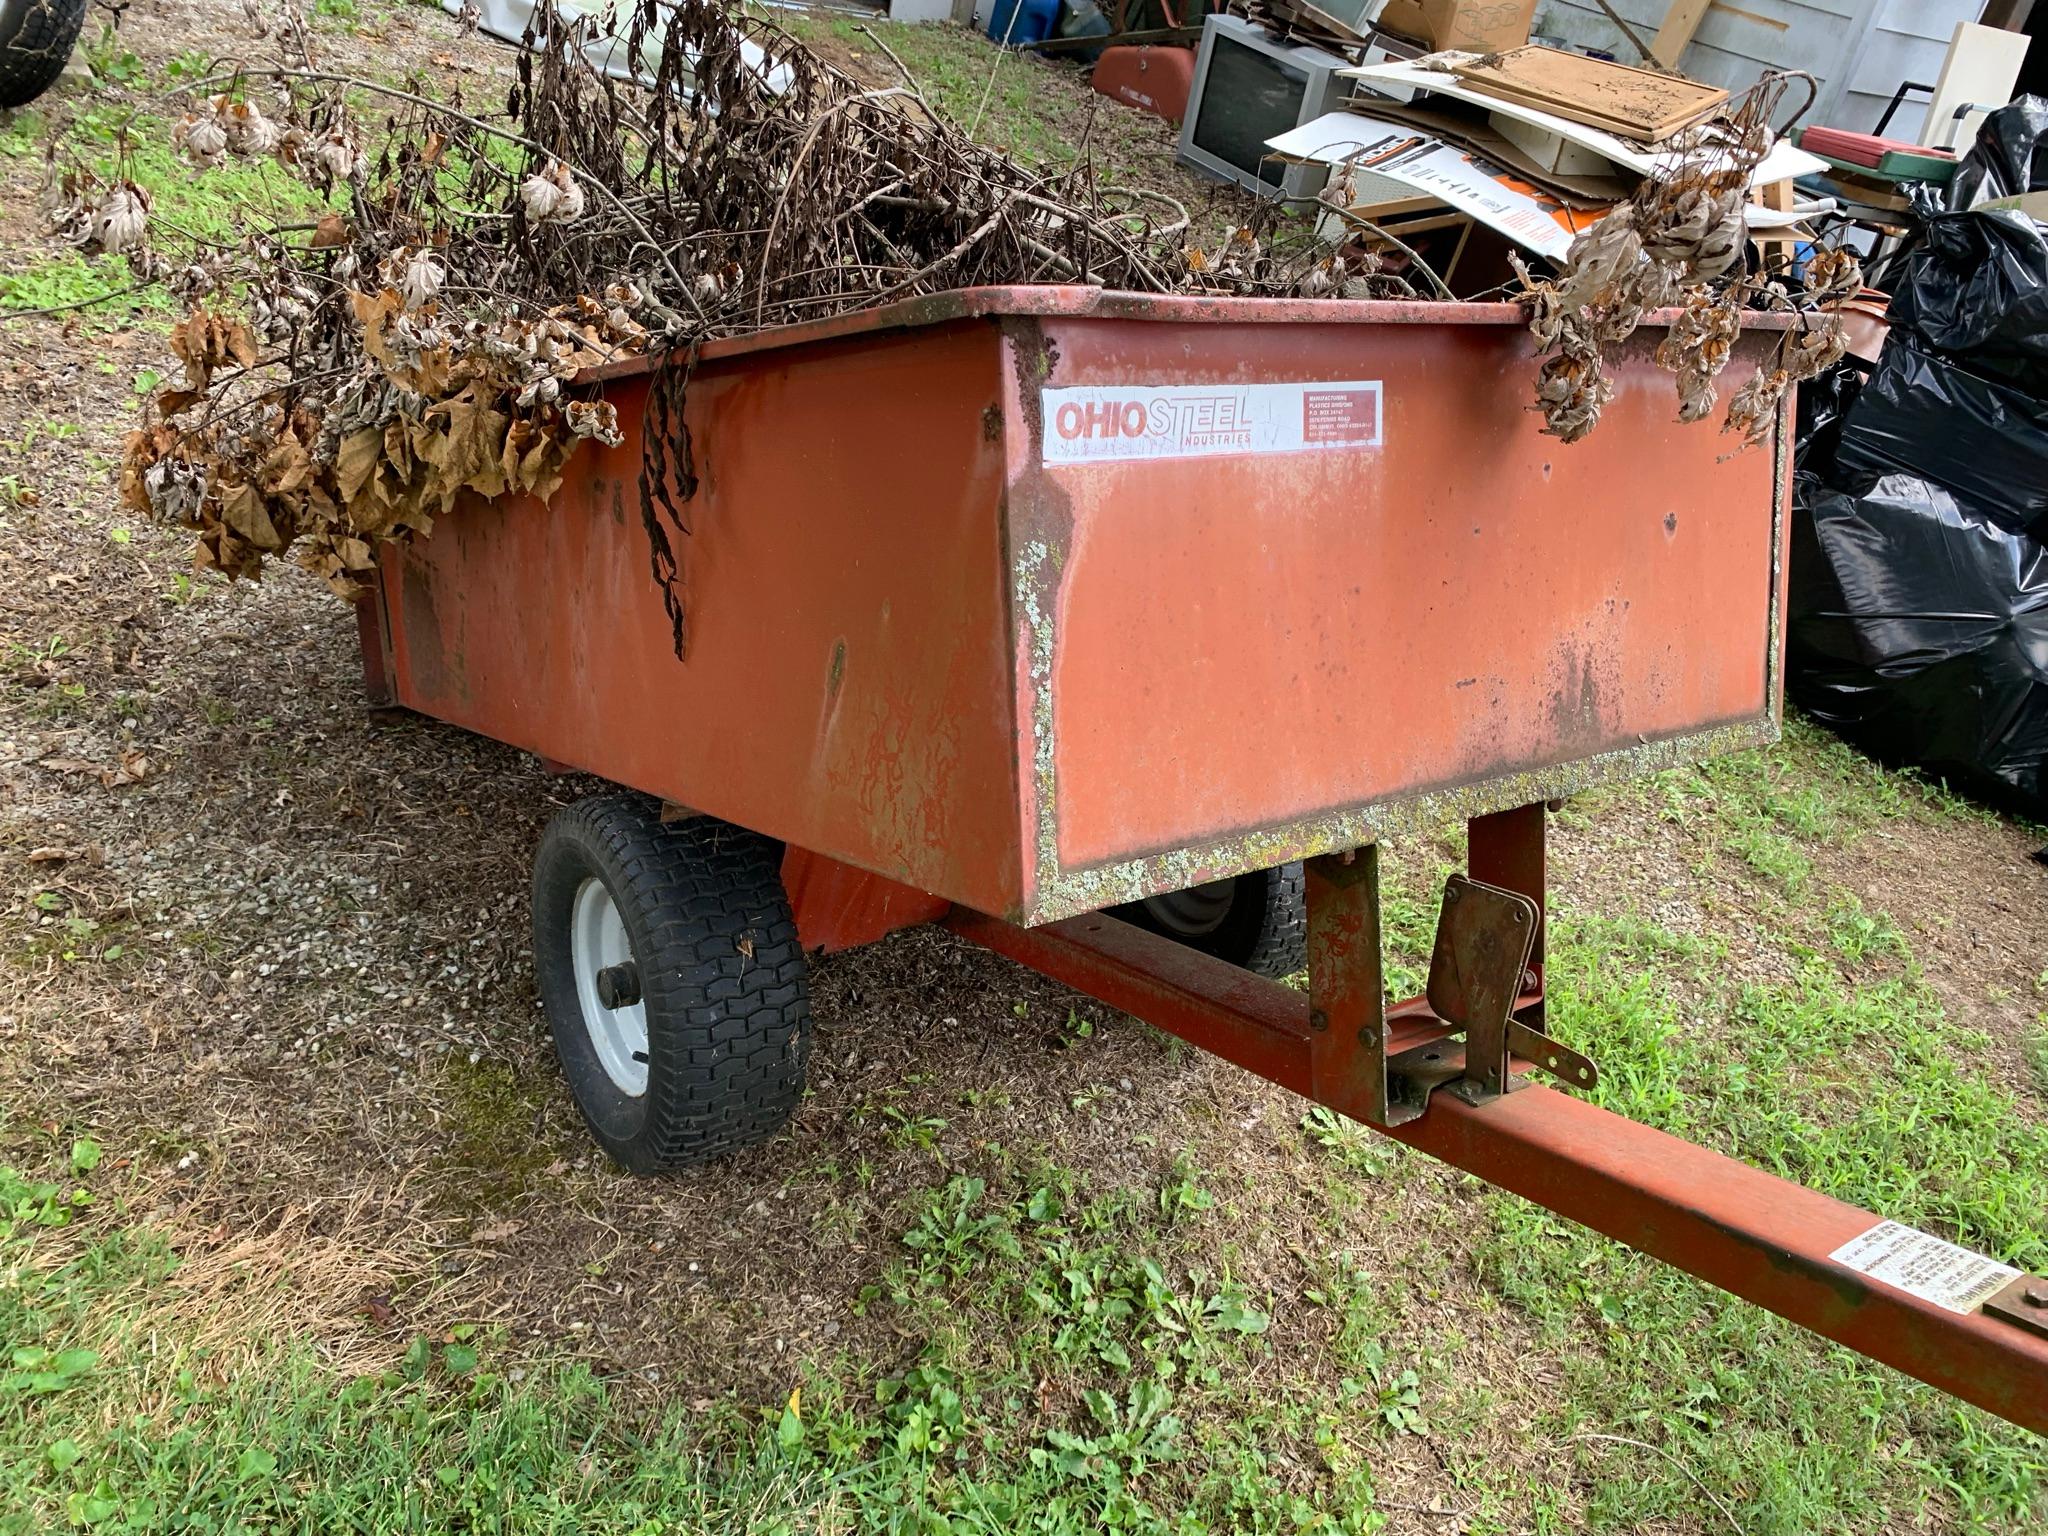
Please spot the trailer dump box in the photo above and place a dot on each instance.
(1042, 599)
(1004, 607)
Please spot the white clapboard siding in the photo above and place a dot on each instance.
(1859, 50)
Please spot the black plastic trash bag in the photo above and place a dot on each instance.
(1975, 290)
(1925, 415)
(1817, 420)
(1917, 624)
(2009, 157)
(1919, 630)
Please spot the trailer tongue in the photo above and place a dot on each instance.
(1007, 606)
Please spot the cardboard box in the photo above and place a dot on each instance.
(2033, 204)
(1476, 26)
(1550, 151)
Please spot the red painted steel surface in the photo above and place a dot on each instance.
(1761, 1237)
(839, 907)
(915, 649)
(847, 682)
(1466, 600)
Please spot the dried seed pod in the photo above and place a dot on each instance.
(121, 221)
(191, 284)
(1697, 348)
(335, 158)
(552, 195)
(597, 419)
(249, 133)
(202, 140)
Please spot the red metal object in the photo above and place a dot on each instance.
(1763, 1238)
(1001, 599)
(839, 907)
(1155, 80)
(925, 642)
(1867, 149)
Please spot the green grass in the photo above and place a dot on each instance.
(959, 74)
(218, 205)
(108, 1425)
(1843, 1075)
(952, 69)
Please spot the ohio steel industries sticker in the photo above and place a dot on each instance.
(1090, 424)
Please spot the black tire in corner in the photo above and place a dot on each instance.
(36, 38)
(714, 961)
(1258, 920)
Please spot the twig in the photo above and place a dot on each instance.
(901, 68)
(1630, 32)
(58, 309)
(1172, 202)
(477, 123)
(973, 236)
(1644, 1445)
(1443, 289)
(1002, 52)
(789, 182)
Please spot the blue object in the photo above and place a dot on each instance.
(1023, 23)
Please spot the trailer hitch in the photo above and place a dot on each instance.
(1485, 985)
(1964, 1322)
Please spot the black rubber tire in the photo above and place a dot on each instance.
(722, 975)
(36, 38)
(1264, 929)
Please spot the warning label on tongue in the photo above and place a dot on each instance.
(1091, 424)
(1923, 1265)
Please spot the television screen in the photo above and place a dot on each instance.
(1248, 98)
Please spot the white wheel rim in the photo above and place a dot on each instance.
(597, 938)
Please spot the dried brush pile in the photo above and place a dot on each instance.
(1679, 241)
(347, 380)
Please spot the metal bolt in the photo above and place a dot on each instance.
(1317, 1019)
(2036, 1295)
(1450, 894)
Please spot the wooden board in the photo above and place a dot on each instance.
(1633, 103)
(1981, 68)
(1680, 22)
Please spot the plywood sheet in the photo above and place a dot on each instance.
(1635, 103)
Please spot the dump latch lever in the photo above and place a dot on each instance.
(1477, 974)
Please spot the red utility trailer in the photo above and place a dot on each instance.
(1009, 606)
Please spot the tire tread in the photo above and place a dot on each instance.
(728, 1030)
(36, 39)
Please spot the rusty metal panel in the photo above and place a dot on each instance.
(1226, 653)
(917, 649)
(838, 906)
(846, 687)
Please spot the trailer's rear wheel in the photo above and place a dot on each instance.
(36, 38)
(1258, 921)
(669, 968)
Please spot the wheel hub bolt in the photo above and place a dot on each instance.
(618, 986)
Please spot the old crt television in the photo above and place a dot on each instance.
(1249, 86)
